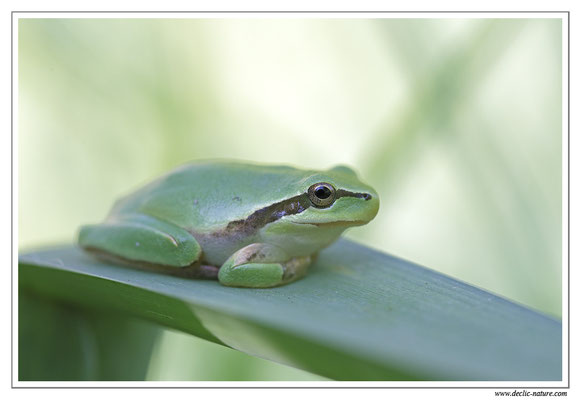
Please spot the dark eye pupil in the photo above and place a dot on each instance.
(322, 192)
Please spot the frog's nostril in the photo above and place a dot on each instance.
(364, 196)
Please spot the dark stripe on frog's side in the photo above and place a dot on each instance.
(346, 193)
(268, 214)
(274, 212)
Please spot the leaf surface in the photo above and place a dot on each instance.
(358, 315)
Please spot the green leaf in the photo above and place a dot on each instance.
(358, 315)
(62, 342)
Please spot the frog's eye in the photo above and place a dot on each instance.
(321, 194)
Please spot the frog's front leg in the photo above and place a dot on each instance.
(144, 241)
(261, 265)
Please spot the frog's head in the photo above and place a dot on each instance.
(318, 206)
(335, 198)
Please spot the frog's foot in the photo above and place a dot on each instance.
(261, 265)
(143, 241)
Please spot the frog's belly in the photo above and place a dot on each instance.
(218, 247)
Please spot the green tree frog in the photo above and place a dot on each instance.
(246, 225)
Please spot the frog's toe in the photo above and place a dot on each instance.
(256, 275)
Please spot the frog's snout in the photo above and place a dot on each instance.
(371, 206)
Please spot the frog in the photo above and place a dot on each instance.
(244, 224)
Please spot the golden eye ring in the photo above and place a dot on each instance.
(322, 194)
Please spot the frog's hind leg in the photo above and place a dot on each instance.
(261, 265)
(147, 242)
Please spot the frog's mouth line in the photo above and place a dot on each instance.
(333, 223)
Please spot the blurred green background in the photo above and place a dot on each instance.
(456, 122)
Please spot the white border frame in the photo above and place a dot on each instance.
(506, 385)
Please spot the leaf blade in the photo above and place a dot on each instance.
(358, 315)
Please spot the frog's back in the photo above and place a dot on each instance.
(208, 195)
